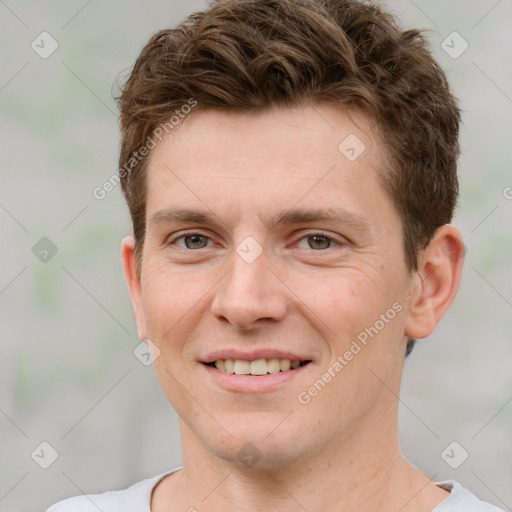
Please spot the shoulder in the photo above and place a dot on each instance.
(462, 500)
(136, 498)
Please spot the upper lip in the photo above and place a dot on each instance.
(253, 355)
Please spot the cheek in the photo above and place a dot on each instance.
(358, 308)
(363, 322)
(172, 301)
(349, 300)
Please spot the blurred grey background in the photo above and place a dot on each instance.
(68, 373)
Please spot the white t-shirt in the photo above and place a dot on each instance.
(137, 498)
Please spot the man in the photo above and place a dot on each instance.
(290, 169)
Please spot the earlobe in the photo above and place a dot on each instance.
(436, 281)
(133, 282)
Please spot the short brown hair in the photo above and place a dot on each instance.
(245, 55)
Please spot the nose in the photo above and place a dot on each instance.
(250, 294)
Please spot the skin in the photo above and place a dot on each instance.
(339, 451)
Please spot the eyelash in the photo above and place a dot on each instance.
(309, 235)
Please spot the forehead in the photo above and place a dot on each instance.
(323, 130)
(267, 161)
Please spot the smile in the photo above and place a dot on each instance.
(257, 366)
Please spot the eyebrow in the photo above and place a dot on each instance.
(341, 216)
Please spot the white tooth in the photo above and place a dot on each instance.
(258, 367)
(273, 366)
(295, 364)
(284, 364)
(229, 365)
(242, 367)
(219, 364)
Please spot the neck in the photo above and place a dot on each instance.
(363, 472)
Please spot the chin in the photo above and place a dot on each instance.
(259, 456)
(259, 448)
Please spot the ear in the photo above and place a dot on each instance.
(436, 281)
(134, 283)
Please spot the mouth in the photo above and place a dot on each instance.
(257, 367)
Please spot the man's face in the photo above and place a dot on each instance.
(260, 278)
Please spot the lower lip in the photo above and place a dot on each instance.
(253, 383)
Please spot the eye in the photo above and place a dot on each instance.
(191, 240)
(195, 240)
(319, 241)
